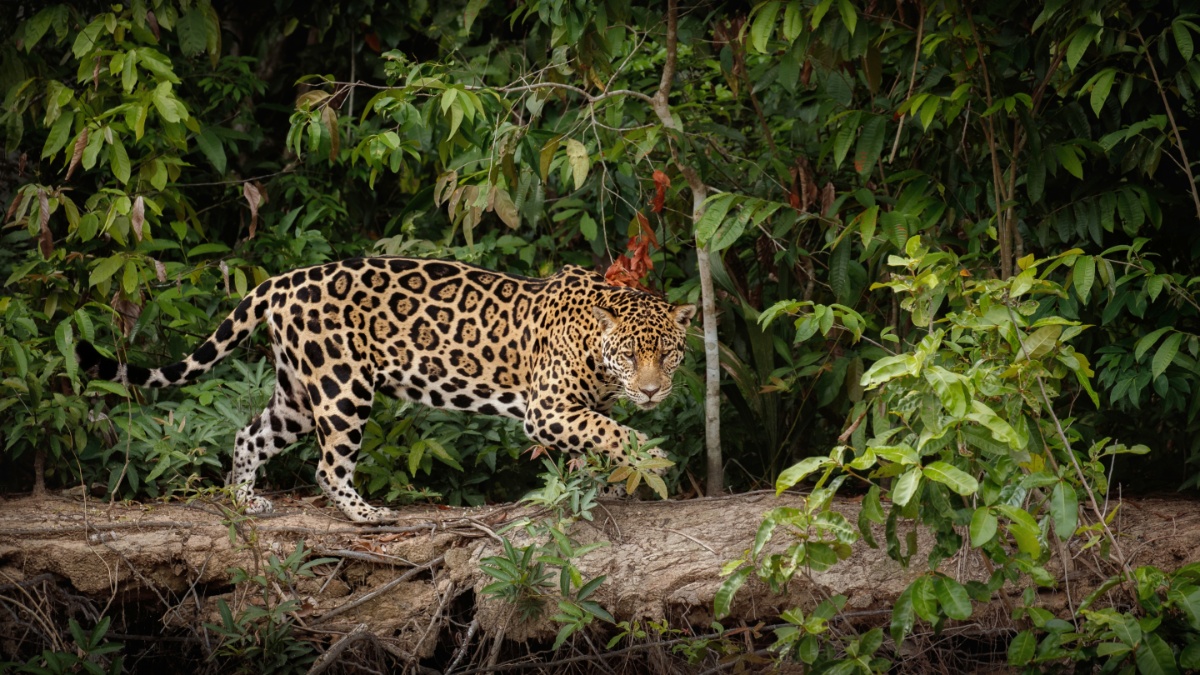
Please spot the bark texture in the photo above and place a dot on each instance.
(404, 582)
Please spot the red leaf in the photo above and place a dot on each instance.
(372, 41)
(661, 183)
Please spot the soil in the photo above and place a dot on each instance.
(412, 593)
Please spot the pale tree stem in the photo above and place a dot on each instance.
(712, 355)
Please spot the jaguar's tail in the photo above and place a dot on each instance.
(236, 327)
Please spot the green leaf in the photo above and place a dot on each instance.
(1021, 649)
(1101, 86)
(924, 598)
(64, 339)
(1079, 44)
(839, 273)
(1040, 342)
(1147, 341)
(1183, 38)
(983, 526)
(870, 144)
(903, 616)
(889, 368)
(1084, 275)
(577, 155)
(129, 71)
(953, 597)
(906, 486)
(1023, 528)
(118, 160)
(764, 25)
(1069, 160)
(59, 133)
(950, 389)
(798, 472)
(728, 588)
(952, 477)
(85, 42)
(849, 16)
(1155, 657)
(715, 209)
(192, 30)
(105, 269)
(212, 148)
(1064, 509)
(1165, 354)
(793, 21)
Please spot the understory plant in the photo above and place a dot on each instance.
(970, 430)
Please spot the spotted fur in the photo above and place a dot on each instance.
(555, 352)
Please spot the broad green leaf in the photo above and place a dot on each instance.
(1165, 354)
(983, 526)
(577, 155)
(728, 588)
(903, 616)
(1001, 430)
(950, 388)
(764, 25)
(105, 269)
(1079, 43)
(953, 597)
(1084, 275)
(212, 148)
(793, 21)
(900, 454)
(119, 160)
(906, 486)
(715, 209)
(1021, 649)
(85, 42)
(59, 133)
(1040, 342)
(1156, 657)
(889, 368)
(849, 16)
(952, 477)
(924, 597)
(1023, 528)
(866, 224)
(1068, 157)
(798, 472)
(1101, 86)
(1064, 509)
(1147, 341)
(192, 30)
(1183, 38)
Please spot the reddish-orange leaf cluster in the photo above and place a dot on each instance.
(630, 267)
(661, 183)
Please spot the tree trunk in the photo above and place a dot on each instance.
(418, 587)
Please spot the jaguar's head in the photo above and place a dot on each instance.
(642, 342)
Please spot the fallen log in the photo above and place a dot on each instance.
(414, 591)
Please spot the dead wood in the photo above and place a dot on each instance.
(407, 583)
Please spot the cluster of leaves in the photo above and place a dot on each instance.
(959, 434)
(259, 637)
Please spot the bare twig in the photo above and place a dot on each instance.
(1187, 167)
(379, 591)
(335, 650)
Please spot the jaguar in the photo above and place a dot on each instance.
(556, 352)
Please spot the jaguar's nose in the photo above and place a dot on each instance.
(650, 390)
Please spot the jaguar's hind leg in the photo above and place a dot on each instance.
(339, 429)
(279, 425)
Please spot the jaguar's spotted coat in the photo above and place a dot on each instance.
(554, 352)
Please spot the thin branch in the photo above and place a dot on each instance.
(379, 591)
(1187, 167)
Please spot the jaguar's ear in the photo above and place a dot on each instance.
(684, 314)
(607, 319)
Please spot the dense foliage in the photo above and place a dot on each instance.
(978, 220)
